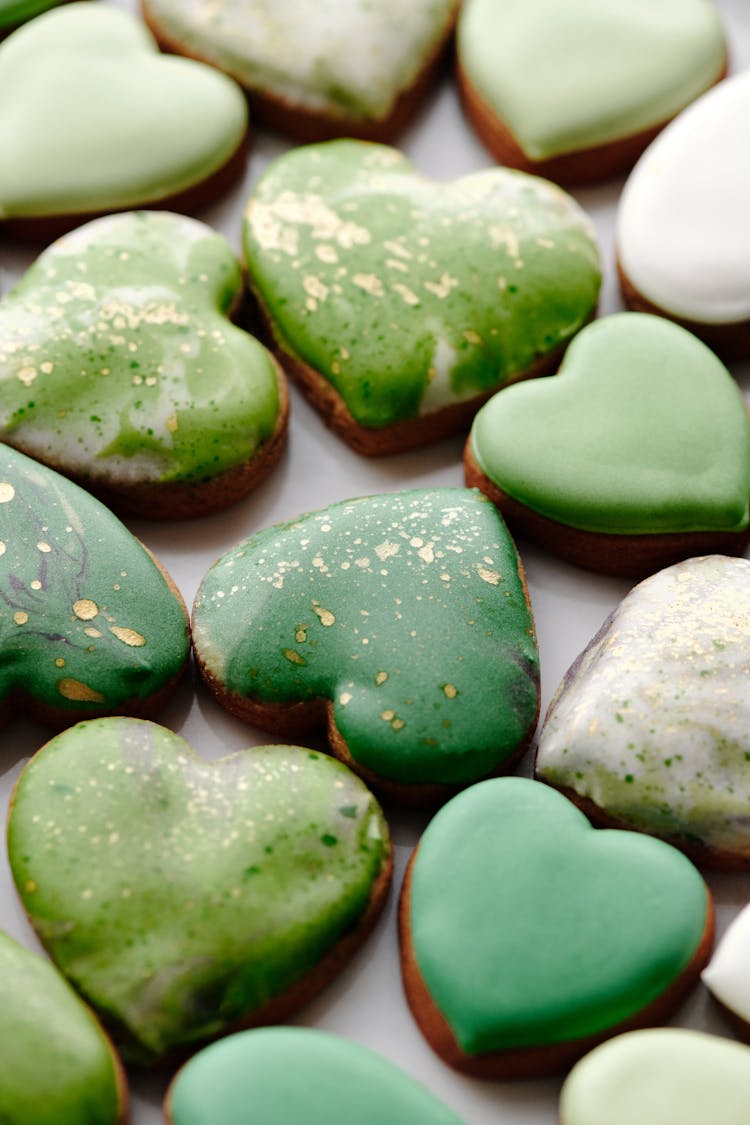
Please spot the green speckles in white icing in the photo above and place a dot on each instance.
(96, 119)
(407, 295)
(179, 895)
(406, 611)
(117, 360)
(651, 723)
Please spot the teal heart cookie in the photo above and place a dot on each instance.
(298, 1074)
(119, 366)
(191, 897)
(88, 621)
(527, 935)
(57, 1064)
(96, 119)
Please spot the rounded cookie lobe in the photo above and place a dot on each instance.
(727, 976)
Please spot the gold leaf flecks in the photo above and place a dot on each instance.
(128, 636)
(79, 692)
(85, 609)
(488, 575)
(20, 617)
(7, 492)
(325, 615)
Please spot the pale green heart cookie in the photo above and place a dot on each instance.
(189, 897)
(96, 119)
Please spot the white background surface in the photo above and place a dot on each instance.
(366, 1002)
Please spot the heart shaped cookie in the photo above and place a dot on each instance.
(636, 455)
(89, 624)
(649, 729)
(398, 303)
(331, 1081)
(403, 618)
(682, 232)
(57, 1064)
(119, 367)
(727, 976)
(659, 1077)
(575, 91)
(224, 893)
(97, 120)
(527, 936)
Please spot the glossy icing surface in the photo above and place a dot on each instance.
(443, 290)
(570, 930)
(56, 1064)
(610, 70)
(344, 57)
(728, 974)
(405, 610)
(659, 1077)
(682, 232)
(87, 620)
(117, 360)
(297, 1074)
(652, 722)
(642, 431)
(218, 884)
(146, 127)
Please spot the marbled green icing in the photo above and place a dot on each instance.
(574, 75)
(405, 610)
(298, 1075)
(407, 295)
(87, 620)
(659, 1077)
(530, 927)
(95, 118)
(643, 432)
(15, 11)
(56, 1064)
(180, 895)
(117, 359)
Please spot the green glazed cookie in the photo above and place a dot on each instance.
(57, 1065)
(399, 303)
(89, 623)
(401, 619)
(14, 12)
(119, 367)
(185, 898)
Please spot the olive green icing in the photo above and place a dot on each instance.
(117, 360)
(15, 11)
(94, 118)
(642, 432)
(408, 295)
(405, 610)
(56, 1064)
(529, 927)
(179, 895)
(88, 622)
(570, 76)
(298, 1075)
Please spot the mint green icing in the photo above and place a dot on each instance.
(88, 622)
(642, 432)
(298, 1075)
(95, 118)
(529, 927)
(179, 895)
(405, 610)
(15, 11)
(118, 363)
(570, 76)
(56, 1064)
(408, 295)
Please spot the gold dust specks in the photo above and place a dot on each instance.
(7, 492)
(2, 547)
(36, 584)
(370, 282)
(381, 678)
(345, 698)
(405, 293)
(29, 887)
(450, 691)
(90, 631)
(172, 423)
(314, 287)
(300, 635)
(46, 368)
(327, 253)
(387, 550)
(488, 575)
(20, 617)
(293, 657)
(427, 553)
(79, 692)
(387, 716)
(472, 337)
(59, 662)
(442, 288)
(324, 615)
(398, 724)
(84, 609)
(27, 375)
(43, 547)
(128, 636)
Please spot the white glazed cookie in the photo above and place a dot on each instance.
(728, 974)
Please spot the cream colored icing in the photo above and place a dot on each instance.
(682, 228)
(728, 974)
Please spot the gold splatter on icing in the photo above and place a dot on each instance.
(128, 636)
(20, 617)
(36, 584)
(381, 678)
(387, 716)
(487, 575)
(84, 609)
(90, 631)
(325, 616)
(300, 635)
(450, 691)
(345, 697)
(7, 492)
(59, 662)
(44, 548)
(294, 657)
(2, 547)
(79, 692)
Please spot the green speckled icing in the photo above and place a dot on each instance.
(406, 610)
(347, 58)
(643, 431)
(652, 722)
(574, 75)
(15, 11)
(659, 1077)
(95, 118)
(408, 295)
(117, 359)
(180, 895)
(298, 1075)
(87, 621)
(56, 1064)
(530, 927)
